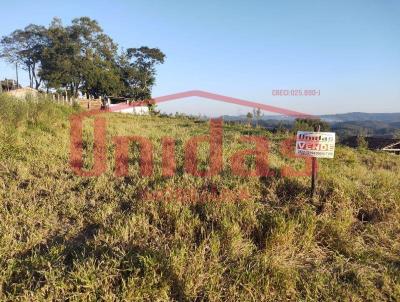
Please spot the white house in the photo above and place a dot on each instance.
(122, 105)
(138, 110)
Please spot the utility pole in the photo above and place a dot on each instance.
(16, 72)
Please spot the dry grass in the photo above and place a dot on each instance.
(90, 104)
(64, 237)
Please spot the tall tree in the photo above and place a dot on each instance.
(81, 57)
(56, 62)
(249, 117)
(138, 71)
(25, 48)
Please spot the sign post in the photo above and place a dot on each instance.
(315, 145)
(314, 169)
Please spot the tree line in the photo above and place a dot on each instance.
(81, 58)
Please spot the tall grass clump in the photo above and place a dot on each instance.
(30, 111)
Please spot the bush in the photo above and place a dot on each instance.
(362, 142)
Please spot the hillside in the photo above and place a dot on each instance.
(346, 124)
(187, 238)
(335, 118)
(363, 117)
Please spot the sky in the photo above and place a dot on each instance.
(347, 50)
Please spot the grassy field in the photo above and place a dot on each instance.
(65, 237)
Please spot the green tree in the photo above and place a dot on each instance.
(249, 117)
(56, 62)
(24, 47)
(82, 58)
(95, 70)
(309, 124)
(138, 71)
(362, 143)
(257, 113)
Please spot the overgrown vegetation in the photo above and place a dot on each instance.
(64, 237)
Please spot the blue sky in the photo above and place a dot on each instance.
(349, 50)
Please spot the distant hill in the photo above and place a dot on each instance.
(340, 117)
(367, 128)
(362, 117)
(345, 124)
